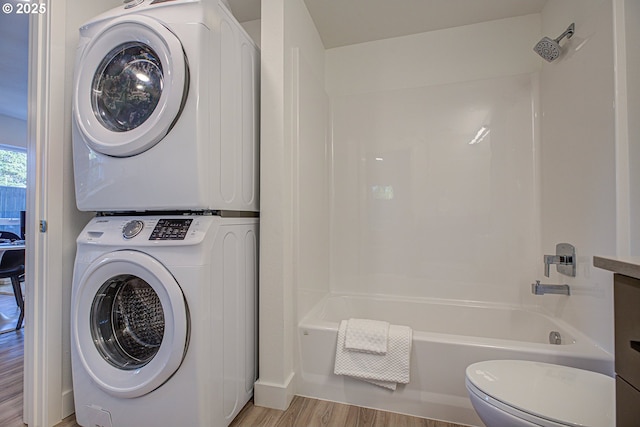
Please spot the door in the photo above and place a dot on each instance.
(130, 85)
(129, 323)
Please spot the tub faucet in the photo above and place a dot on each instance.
(541, 289)
(564, 259)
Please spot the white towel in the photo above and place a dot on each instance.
(383, 370)
(368, 336)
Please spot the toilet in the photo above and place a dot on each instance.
(519, 393)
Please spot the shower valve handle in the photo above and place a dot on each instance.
(564, 259)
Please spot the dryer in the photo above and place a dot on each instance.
(165, 109)
(163, 325)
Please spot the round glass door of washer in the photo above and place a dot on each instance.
(129, 323)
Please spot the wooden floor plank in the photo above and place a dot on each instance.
(339, 413)
(351, 418)
(289, 417)
(366, 417)
(252, 415)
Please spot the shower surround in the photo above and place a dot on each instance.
(435, 189)
(435, 163)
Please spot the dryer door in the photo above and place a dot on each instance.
(129, 323)
(130, 85)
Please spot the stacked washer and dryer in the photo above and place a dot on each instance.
(165, 150)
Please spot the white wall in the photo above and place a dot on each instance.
(470, 52)
(253, 28)
(293, 186)
(310, 136)
(14, 131)
(418, 211)
(578, 203)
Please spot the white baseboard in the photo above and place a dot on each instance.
(68, 406)
(271, 395)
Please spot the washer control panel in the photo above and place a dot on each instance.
(171, 229)
(148, 230)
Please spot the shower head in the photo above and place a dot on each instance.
(550, 49)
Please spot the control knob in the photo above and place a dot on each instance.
(132, 228)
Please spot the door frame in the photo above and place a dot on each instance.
(43, 351)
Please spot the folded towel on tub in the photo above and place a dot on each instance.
(368, 336)
(385, 370)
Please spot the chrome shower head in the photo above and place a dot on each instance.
(550, 49)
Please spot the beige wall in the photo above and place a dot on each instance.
(632, 58)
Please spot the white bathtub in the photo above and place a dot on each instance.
(447, 337)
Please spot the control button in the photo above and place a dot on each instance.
(132, 229)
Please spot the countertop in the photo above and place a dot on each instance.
(629, 265)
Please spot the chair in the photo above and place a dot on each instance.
(12, 267)
(9, 235)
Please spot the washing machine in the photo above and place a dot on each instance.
(165, 109)
(163, 325)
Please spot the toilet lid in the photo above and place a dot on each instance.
(563, 395)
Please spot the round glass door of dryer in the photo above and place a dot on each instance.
(131, 84)
(129, 323)
(127, 86)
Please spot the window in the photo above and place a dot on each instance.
(13, 187)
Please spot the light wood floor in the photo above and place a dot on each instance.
(316, 413)
(302, 412)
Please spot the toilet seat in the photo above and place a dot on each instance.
(544, 394)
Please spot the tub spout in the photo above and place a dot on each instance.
(541, 289)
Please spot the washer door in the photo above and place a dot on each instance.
(131, 84)
(129, 323)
